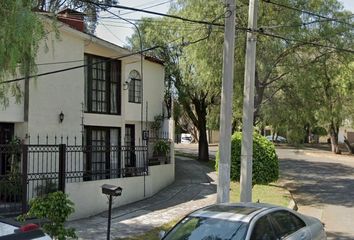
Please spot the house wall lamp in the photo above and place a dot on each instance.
(126, 84)
(61, 117)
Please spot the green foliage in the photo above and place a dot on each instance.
(56, 208)
(265, 160)
(296, 136)
(21, 30)
(320, 131)
(161, 147)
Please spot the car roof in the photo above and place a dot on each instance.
(243, 212)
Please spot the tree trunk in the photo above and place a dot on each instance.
(258, 98)
(203, 147)
(334, 139)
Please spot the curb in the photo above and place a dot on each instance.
(292, 204)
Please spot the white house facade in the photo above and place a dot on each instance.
(95, 95)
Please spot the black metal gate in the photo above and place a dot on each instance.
(35, 170)
(32, 170)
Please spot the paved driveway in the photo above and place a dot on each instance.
(194, 188)
(323, 186)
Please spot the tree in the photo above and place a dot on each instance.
(197, 67)
(312, 92)
(21, 30)
(195, 81)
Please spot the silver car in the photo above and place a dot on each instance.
(246, 221)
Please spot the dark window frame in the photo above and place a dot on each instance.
(88, 143)
(135, 91)
(130, 160)
(108, 85)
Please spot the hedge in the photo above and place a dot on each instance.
(265, 159)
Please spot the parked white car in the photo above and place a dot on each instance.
(186, 138)
(11, 229)
(276, 138)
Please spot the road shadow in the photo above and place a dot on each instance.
(338, 236)
(318, 183)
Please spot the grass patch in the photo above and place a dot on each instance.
(154, 233)
(272, 194)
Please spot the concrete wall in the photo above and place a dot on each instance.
(345, 132)
(89, 200)
(153, 84)
(55, 93)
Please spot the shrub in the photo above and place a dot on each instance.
(54, 208)
(265, 160)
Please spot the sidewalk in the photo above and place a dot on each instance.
(187, 193)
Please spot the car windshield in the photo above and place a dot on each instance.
(201, 228)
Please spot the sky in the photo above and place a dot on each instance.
(116, 31)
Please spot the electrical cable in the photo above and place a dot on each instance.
(260, 31)
(114, 35)
(111, 59)
(154, 13)
(308, 12)
(152, 6)
(80, 66)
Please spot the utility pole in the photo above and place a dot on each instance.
(248, 106)
(223, 190)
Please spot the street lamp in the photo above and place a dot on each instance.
(111, 191)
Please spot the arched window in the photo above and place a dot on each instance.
(134, 87)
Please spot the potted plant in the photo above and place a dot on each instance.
(161, 149)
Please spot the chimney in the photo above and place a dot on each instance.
(72, 18)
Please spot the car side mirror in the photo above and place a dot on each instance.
(162, 234)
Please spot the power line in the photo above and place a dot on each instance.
(152, 6)
(108, 60)
(304, 24)
(76, 67)
(260, 31)
(308, 12)
(155, 13)
(114, 35)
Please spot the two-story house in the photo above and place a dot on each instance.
(93, 96)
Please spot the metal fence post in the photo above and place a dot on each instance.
(24, 177)
(62, 167)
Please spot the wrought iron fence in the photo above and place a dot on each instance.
(27, 171)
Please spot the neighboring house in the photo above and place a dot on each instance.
(100, 110)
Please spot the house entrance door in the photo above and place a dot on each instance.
(6, 135)
(130, 144)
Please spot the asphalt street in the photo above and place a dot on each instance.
(322, 184)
